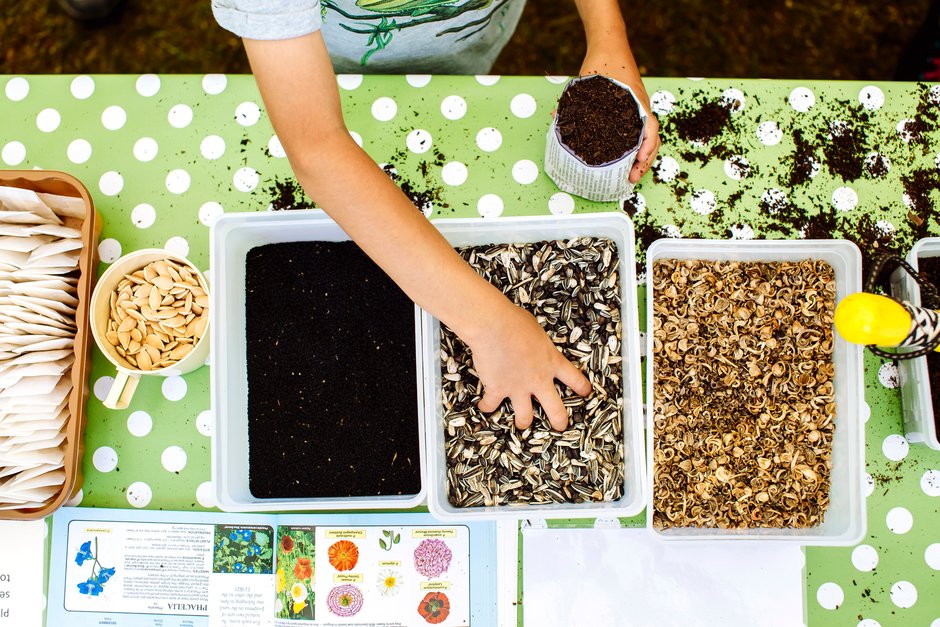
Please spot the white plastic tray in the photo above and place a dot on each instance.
(233, 235)
(472, 232)
(919, 425)
(845, 520)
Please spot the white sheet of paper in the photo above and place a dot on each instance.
(47, 229)
(16, 199)
(624, 577)
(68, 206)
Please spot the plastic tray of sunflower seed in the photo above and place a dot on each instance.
(520, 230)
(916, 395)
(845, 518)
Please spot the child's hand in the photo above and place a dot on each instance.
(516, 359)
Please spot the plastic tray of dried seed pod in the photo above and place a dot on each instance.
(577, 275)
(755, 422)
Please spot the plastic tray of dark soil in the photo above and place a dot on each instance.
(920, 377)
(755, 419)
(316, 379)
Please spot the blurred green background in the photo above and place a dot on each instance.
(717, 38)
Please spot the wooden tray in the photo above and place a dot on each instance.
(53, 182)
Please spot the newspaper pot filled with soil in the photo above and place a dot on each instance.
(755, 404)
(594, 138)
(920, 377)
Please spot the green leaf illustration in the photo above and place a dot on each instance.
(382, 544)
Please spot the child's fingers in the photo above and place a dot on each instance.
(522, 408)
(553, 407)
(490, 401)
(569, 374)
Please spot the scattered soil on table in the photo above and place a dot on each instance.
(332, 404)
(802, 164)
(845, 149)
(598, 120)
(705, 123)
(929, 267)
(876, 166)
(919, 187)
(426, 192)
(287, 194)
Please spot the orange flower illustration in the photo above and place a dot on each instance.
(287, 543)
(302, 569)
(343, 555)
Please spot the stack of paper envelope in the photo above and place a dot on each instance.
(40, 243)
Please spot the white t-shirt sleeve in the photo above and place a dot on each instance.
(268, 19)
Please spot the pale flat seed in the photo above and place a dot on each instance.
(202, 300)
(127, 324)
(165, 283)
(150, 273)
(149, 312)
(172, 269)
(113, 338)
(153, 341)
(181, 351)
(175, 322)
(201, 324)
(124, 338)
(153, 353)
(133, 347)
(165, 313)
(161, 268)
(167, 300)
(136, 335)
(143, 361)
(154, 300)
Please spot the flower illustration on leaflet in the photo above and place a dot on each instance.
(100, 575)
(432, 557)
(343, 555)
(345, 600)
(389, 582)
(434, 607)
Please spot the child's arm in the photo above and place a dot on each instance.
(512, 354)
(608, 53)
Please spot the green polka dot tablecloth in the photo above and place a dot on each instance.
(164, 156)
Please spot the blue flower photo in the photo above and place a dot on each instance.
(99, 575)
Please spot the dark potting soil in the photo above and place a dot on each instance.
(288, 194)
(705, 123)
(332, 404)
(929, 267)
(845, 150)
(598, 120)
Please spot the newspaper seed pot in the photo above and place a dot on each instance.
(594, 138)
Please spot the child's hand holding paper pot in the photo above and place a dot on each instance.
(150, 316)
(594, 138)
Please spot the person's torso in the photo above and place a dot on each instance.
(417, 36)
